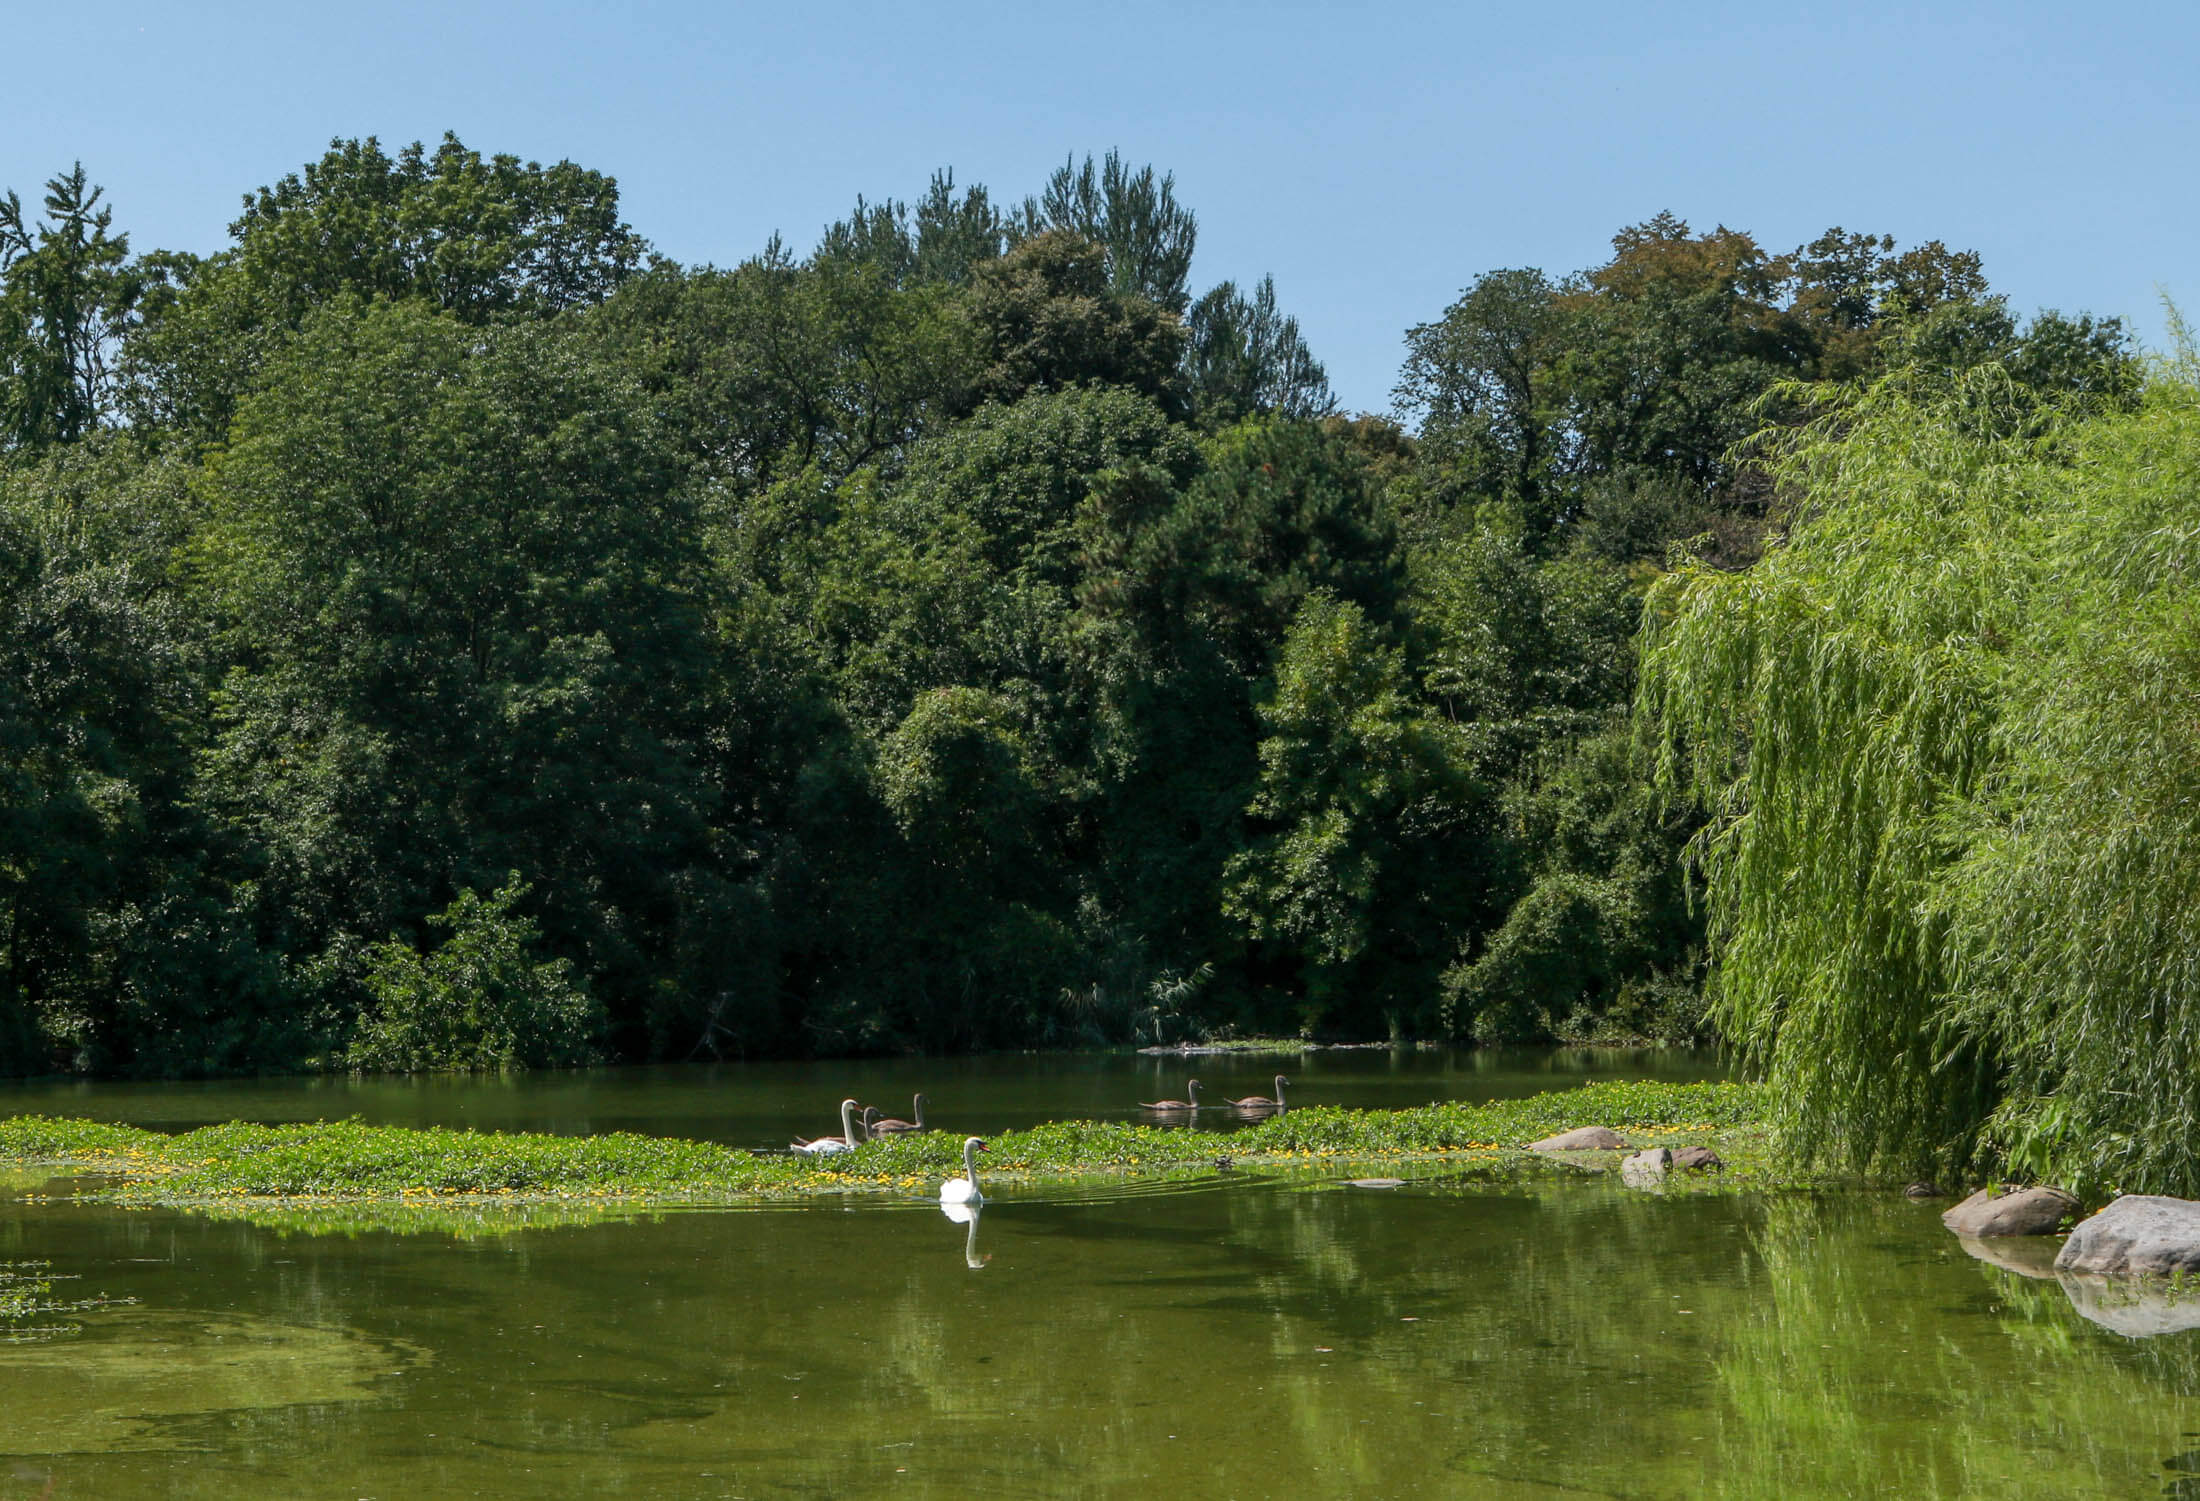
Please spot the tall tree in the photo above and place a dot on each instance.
(478, 237)
(456, 573)
(1146, 236)
(1243, 358)
(1048, 317)
(943, 237)
(1487, 385)
(68, 292)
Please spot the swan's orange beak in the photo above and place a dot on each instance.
(982, 1147)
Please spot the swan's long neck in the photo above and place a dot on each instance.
(970, 1164)
(1279, 1089)
(1191, 1090)
(920, 1112)
(848, 1121)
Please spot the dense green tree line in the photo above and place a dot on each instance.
(439, 631)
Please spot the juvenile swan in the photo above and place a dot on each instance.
(892, 1127)
(1262, 1102)
(1191, 1087)
(825, 1146)
(964, 1190)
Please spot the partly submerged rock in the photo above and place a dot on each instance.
(1698, 1159)
(1646, 1169)
(2138, 1235)
(1582, 1139)
(1922, 1190)
(2024, 1211)
(2139, 1310)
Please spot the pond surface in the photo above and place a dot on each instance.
(1557, 1335)
(765, 1104)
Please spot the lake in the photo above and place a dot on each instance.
(1554, 1335)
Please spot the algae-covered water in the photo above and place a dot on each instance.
(1548, 1335)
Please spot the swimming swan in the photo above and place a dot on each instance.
(1262, 1102)
(893, 1127)
(1191, 1087)
(825, 1146)
(964, 1190)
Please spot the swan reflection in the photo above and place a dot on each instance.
(967, 1214)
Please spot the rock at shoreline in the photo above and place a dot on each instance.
(2026, 1211)
(2138, 1235)
(1646, 1168)
(1582, 1139)
(1698, 1159)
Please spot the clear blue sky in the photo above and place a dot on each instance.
(1375, 160)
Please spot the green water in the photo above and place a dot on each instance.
(1554, 1336)
(765, 1104)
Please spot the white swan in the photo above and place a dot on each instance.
(964, 1190)
(1262, 1102)
(826, 1146)
(893, 1127)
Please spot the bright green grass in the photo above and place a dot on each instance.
(348, 1160)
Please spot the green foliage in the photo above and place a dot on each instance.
(1622, 396)
(1132, 216)
(1048, 317)
(959, 635)
(480, 999)
(1602, 942)
(448, 561)
(1245, 358)
(68, 293)
(1943, 735)
(227, 1167)
(777, 365)
(943, 238)
(1365, 825)
(476, 237)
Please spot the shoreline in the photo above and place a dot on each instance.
(237, 1166)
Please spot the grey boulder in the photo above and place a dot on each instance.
(1582, 1139)
(1698, 1159)
(2024, 1211)
(2138, 1235)
(1646, 1168)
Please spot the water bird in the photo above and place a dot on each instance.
(1191, 1087)
(825, 1146)
(1261, 1101)
(892, 1127)
(964, 1190)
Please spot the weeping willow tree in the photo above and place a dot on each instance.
(1949, 735)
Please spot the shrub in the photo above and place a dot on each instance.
(481, 1000)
